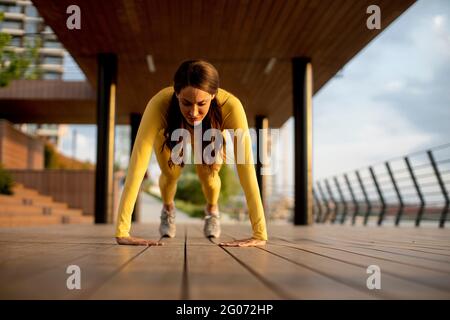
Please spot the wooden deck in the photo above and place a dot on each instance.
(318, 262)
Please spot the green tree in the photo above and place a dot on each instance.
(189, 187)
(229, 184)
(50, 158)
(6, 181)
(18, 65)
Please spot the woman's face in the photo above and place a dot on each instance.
(194, 104)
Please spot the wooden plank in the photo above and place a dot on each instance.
(213, 274)
(349, 235)
(11, 250)
(425, 275)
(401, 259)
(426, 253)
(414, 257)
(291, 280)
(392, 286)
(85, 234)
(418, 251)
(412, 241)
(435, 282)
(157, 273)
(379, 240)
(417, 259)
(436, 237)
(32, 277)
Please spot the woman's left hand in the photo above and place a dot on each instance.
(250, 242)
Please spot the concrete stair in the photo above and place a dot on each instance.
(26, 207)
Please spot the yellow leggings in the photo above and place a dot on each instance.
(209, 179)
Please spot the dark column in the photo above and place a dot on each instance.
(135, 121)
(302, 102)
(106, 104)
(261, 122)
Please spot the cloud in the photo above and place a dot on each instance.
(85, 149)
(365, 136)
(395, 85)
(85, 142)
(438, 22)
(426, 104)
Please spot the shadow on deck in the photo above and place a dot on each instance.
(318, 262)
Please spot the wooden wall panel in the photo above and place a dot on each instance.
(18, 150)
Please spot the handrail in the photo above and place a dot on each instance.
(379, 191)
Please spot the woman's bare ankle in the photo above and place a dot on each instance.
(169, 206)
(212, 209)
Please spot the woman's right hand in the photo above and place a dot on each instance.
(132, 241)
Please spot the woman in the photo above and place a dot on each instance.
(195, 101)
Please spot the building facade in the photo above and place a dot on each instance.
(22, 21)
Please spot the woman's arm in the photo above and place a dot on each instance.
(234, 117)
(151, 123)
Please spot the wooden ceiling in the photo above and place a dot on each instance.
(238, 36)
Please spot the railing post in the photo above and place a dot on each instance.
(380, 195)
(443, 189)
(319, 206)
(344, 203)
(327, 213)
(366, 198)
(355, 202)
(333, 200)
(399, 196)
(419, 193)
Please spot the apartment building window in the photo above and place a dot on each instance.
(53, 60)
(15, 42)
(31, 27)
(6, 8)
(31, 11)
(52, 44)
(51, 76)
(11, 24)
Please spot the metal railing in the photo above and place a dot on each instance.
(411, 188)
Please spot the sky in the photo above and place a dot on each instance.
(393, 99)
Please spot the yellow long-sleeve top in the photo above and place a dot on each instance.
(153, 121)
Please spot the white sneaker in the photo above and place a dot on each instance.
(167, 226)
(212, 225)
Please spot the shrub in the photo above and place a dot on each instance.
(50, 160)
(189, 188)
(229, 184)
(55, 160)
(6, 181)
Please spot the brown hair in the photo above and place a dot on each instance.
(202, 75)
